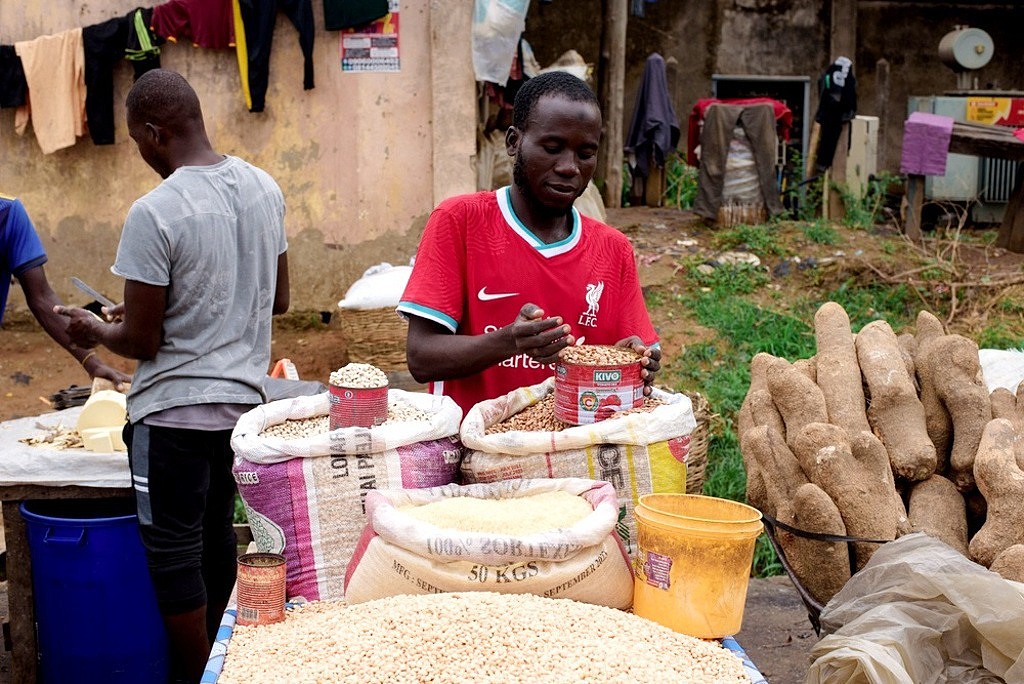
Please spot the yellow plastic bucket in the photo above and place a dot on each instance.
(693, 562)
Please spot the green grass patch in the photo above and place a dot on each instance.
(1001, 336)
(820, 232)
(731, 279)
(760, 239)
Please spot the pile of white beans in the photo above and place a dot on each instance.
(359, 376)
(398, 412)
(471, 637)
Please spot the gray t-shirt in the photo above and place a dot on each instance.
(212, 235)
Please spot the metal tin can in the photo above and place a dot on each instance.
(358, 406)
(586, 394)
(261, 588)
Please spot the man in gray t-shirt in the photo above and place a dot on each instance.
(204, 261)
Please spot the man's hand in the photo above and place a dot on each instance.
(114, 314)
(83, 326)
(650, 363)
(538, 337)
(95, 367)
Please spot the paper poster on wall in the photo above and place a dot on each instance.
(374, 47)
(1001, 111)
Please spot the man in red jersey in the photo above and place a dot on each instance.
(505, 279)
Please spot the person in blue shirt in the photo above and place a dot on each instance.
(22, 256)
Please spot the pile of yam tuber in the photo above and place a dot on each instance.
(879, 435)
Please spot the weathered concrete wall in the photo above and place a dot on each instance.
(789, 38)
(359, 158)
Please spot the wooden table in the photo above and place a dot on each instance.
(983, 141)
(36, 472)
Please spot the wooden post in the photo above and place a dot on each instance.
(843, 33)
(915, 200)
(615, 20)
(837, 177)
(882, 92)
(1011, 232)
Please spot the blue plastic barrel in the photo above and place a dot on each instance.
(96, 612)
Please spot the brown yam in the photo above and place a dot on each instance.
(778, 466)
(871, 454)
(826, 455)
(1001, 482)
(822, 567)
(937, 509)
(937, 418)
(908, 350)
(1004, 405)
(798, 399)
(895, 412)
(956, 374)
(808, 367)
(838, 374)
(1010, 563)
(758, 381)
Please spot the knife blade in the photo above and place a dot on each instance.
(92, 293)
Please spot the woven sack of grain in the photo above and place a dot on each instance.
(304, 496)
(638, 453)
(583, 560)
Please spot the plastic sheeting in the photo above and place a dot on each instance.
(40, 465)
(921, 613)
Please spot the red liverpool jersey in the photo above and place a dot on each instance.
(477, 264)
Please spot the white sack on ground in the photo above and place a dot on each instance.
(638, 454)
(921, 612)
(400, 554)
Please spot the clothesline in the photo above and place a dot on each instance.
(64, 81)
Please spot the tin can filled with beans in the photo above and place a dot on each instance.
(593, 382)
(261, 588)
(359, 396)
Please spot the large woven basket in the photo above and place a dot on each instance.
(375, 336)
(697, 460)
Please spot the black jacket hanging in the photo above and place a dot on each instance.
(12, 78)
(837, 104)
(104, 47)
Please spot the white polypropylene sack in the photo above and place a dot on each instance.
(740, 184)
(380, 287)
(400, 554)
(638, 454)
(304, 497)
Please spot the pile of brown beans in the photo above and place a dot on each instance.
(398, 412)
(598, 355)
(540, 417)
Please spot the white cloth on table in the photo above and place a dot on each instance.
(25, 464)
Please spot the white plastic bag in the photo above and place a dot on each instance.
(381, 286)
(921, 612)
(497, 25)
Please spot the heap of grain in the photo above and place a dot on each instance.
(549, 537)
(473, 637)
(879, 435)
(304, 484)
(639, 451)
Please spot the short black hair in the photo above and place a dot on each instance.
(555, 83)
(163, 97)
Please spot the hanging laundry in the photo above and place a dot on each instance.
(142, 48)
(258, 18)
(12, 78)
(837, 104)
(55, 73)
(343, 14)
(104, 47)
(654, 129)
(207, 23)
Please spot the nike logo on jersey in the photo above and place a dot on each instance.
(484, 296)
